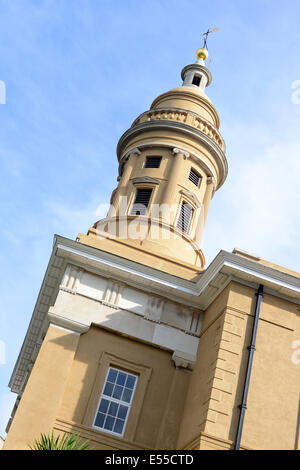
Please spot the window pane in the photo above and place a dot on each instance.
(99, 420)
(119, 424)
(109, 423)
(103, 405)
(121, 378)
(108, 389)
(130, 381)
(118, 392)
(127, 395)
(122, 413)
(113, 412)
(113, 408)
(112, 375)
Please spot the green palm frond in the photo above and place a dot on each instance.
(64, 442)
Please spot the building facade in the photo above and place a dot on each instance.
(133, 342)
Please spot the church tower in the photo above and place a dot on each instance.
(135, 344)
(171, 161)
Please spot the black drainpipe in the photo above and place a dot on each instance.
(251, 348)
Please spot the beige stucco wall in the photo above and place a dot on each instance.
(159, 398)
(63, 391)
(174, 408)
(38, 408)
(272, 418)
(211, 414)
(157, 232)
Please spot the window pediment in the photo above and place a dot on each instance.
(145, 179)
(191, 196)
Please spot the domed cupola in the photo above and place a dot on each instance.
(171, 162)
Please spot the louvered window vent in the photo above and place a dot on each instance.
(185, 217)
(141, 202)
(152, 162)
(194, 177)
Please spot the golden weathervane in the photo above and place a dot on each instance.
(202, 53)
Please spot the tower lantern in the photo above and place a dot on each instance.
(197, 74)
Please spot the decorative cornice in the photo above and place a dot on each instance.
(225, 267)
(191, 196)
(186, 117)
(66, 323)
(204, 139)
(185, 92)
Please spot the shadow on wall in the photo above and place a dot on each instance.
(83, 389)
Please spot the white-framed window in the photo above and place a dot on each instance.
(141, 201)
(115, 401)
(185, 217)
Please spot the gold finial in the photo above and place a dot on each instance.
(202, 53)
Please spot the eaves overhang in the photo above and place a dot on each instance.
(199, 293)
(246, 271)
(226, 264)
(38, 322)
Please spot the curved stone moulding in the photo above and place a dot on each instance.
(190, 132)
(183, 116)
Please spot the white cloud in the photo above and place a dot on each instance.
(258, 207)
(73, 220)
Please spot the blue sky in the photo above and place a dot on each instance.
(78, 72)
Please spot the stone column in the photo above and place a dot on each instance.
(210, 188)
(122, 188)
(170, 193)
